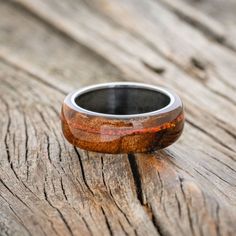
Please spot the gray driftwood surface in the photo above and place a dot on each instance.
(50, 47)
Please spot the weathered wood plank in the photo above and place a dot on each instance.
(221, 12)
(48, 54)
(201, 97)
(48, 187)
(129, 59)
(48, 184)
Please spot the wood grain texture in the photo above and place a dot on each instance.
(48, 187)
(225, 19)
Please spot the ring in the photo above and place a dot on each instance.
(122, 117)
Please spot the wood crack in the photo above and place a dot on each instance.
(202, 175)
(54, 132)
(63, 189)
(120, 209)
(181, 180)
(229, 132)
(7, 132)
(136, 176)
(218, 160)
(26, 137)
(16, 215)
(48, 147)
(224, 96)
(138, 186)
(161, 186)
(178, 205)
(64, 220)
(58, 210)
(14, 194)
(107, 222)
(219, 177)
(43, 119)
(83, 172)
(209, 135)
(103, 176)
(19, 219)
(156, 224)
(7, 147)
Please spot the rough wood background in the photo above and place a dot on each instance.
(50, 47)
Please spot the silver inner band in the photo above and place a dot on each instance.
(122, 99)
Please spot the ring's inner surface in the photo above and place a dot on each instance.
(122, 100)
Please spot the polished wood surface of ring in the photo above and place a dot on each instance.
(118, 135)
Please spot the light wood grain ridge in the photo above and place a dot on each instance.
(221, 13)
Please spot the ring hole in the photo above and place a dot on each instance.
(122, 100)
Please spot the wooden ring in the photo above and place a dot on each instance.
(122, 117)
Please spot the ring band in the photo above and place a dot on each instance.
(122, 117)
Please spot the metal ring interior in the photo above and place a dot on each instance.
(122, 100)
